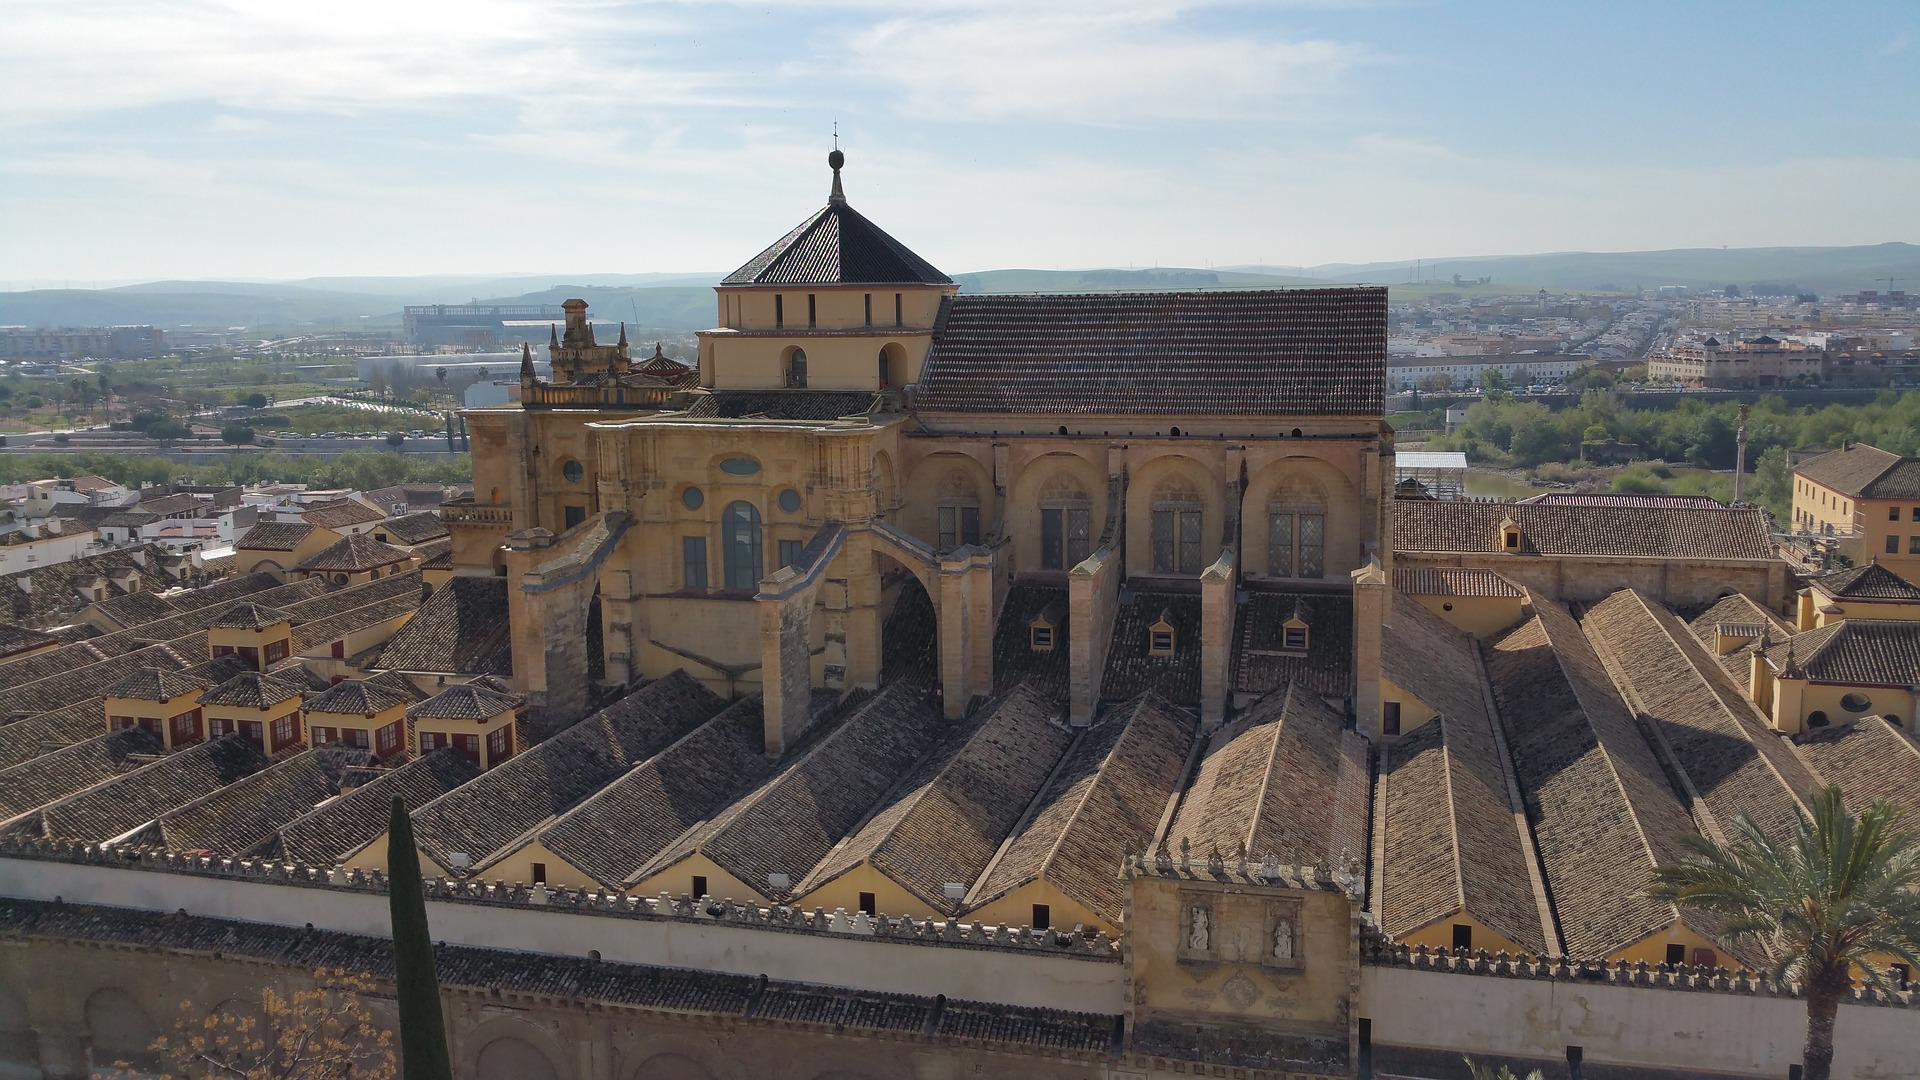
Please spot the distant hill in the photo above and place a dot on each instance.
(685, 301)
(1824, 270)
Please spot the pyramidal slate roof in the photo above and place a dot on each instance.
(837, 246)
(155, 684)
(463, 702)
(253, 690)
(248, 616)
(354, 554)
(1306, 352)
(357, 697)
(1869, 582)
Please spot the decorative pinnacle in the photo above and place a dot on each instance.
(835, 159)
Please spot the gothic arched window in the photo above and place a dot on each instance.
(1066, 523)
(1177, 517)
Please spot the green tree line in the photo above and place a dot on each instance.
(359, 470)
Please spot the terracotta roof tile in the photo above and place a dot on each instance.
(42, 779)
(1855, 652)
(1738, 609)
(52, 730)
(1602, 810)
(1304, 352)
(327, 834)
(461, 629)
(340, 514)
(245, 817)
(1286, 778)
(1261, 665)
(274, 536)
(357, 697)
(155, 684)
(1014, 660)
(463, 702)
(355, 553)
(1870, 759)
(820, 405)
(414, 529)
(1104, 799)
(125, 802)
(1134, 669)
(254, 690)
(1716, 737)
(1549, 529)
(1851, 470)
(1869, 582)
(1453, 581)
(248, 616)
(558, 774)
(789, 823)
(945, 821)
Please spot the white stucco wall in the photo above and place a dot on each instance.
(975, 974)
(1714, 1031)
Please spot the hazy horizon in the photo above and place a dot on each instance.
(243, 140)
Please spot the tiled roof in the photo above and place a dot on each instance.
(1855, 652)
(170, 505)
(1737, 609)
(1850, 470)
(1014, 660)
(1453, 581)
(253, 690)
(1133, 669)
(222, 594)
(1260, 665)
(1449, 836)
(245, 816)
(1870, 759)
(1105, 799)
(39, 781)
(155, 684)
(1286, 778)
(340, 514)
(1299, 352)
(320, 632)
(1679, 532)
(1057, 1034)
(357, 697)
(50, 731)
(837, 246)
(21, 670)
(1641, 502)
(133, 609)
(625, 824)
(414, 529)
(331, 601)
(462, 702)
(944, 822)
(327, 834)
(72, 685)
(784, 404)
(1869, 582)
(788, 824)
(1899, 482)
(128, 519)
(1704, 724)
(248, 617)
(436, 554)
(355, 553)
(274, 536)
(118, 805)
(32, 597)
(556, 775)
(14, 638)
(461, 628)
(1602, 811)
(394, 680)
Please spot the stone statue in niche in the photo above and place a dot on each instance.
(1283, 940)
(1197, 932)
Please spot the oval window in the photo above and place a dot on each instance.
(691, 498)
(573, 471)
(740, 466)
(790, 501)
(1856, 702)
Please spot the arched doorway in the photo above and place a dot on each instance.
(119, 1029)
(508, 1058)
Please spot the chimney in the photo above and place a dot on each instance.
(1371, 597)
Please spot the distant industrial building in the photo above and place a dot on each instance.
(74, 342)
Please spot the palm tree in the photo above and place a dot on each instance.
(1839, 896)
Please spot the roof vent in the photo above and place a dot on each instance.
(459, 860)
(779, 882)
(955, 891)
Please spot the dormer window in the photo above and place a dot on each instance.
(1293, 635)
(1043, 630)
(1160, 637)
(1041, 638)
(1509, 536)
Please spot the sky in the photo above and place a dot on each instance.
(280, 139)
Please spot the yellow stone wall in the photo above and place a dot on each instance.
(678, 881)
(1016, 909)
(1481, 616)
(1439, 935)
(1413, 711)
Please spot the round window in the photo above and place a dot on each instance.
(790, 501)
(1856, 702)
(740, 466)
(573, 471)
(691, 498)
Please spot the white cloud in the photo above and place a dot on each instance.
(1094, 64)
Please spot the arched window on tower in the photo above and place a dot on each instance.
(1177, 517)
(886, 373)
(797, 368)
(740, 546)
(1297, 531)
(1066, 524)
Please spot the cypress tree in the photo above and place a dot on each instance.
(423, 1030)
